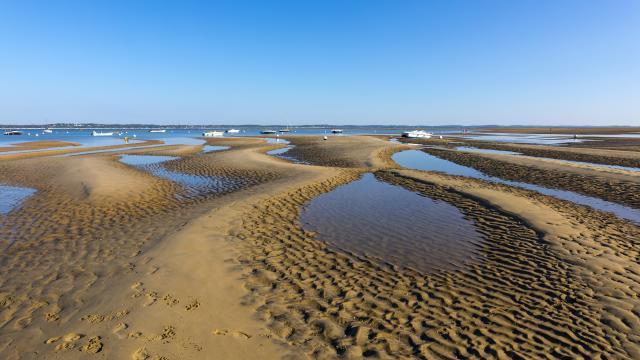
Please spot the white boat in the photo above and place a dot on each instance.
(158, 131)
(95, 133)
(417, 134)
(284, 130)
(233, 131)
(13, 132)
(212, 133)
(47, 131)
(336, 131)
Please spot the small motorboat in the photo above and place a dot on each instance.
(284, 130)
(95, 133)
(336, 131)
(233, 131)
(417, 134)
(47, 131)
(268, 132)
(158, 131)
(212, 133)
(13, 132)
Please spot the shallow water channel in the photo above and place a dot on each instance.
(194, 184)
(12, 196)
(419, 160)
(212, 148)
(376, 219)
(505, 152)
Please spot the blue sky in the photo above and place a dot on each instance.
(561, 62)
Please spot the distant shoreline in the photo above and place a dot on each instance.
(582, 130)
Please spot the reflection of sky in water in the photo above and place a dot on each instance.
(504, 152)
(140, 160)
(212, 148)
(524, 138)
(486, 151)
(386, 221)
(419, 160)
(593, 164)
(12, 196)
(193, 183)
(281, 151)
(167, 141)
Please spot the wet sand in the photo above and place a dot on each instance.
(607, 156)
(619, 187)
(105, 261)
(47, 152)
(35, 145)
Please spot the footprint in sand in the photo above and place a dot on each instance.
(194, 304)
(53, 339)
(235, 334)
(169, 300)
(68, 341)
(168, 334)
(52, 317)
(118, 330)
(93, 345)
(72, 337)
(153, 270)
(144, 354)
(152, 297)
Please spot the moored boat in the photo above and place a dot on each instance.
(268, 132)
(47, 131)
(233, 131)
(95, 133)
(212, 133)
(158, 131)
(336, 131)
(417, 134)
(13, 132)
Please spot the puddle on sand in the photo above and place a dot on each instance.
(419, 160)
(212, 148)
(373, 218)
(194, 184)
(12, 196)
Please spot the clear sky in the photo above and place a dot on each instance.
(556, 62)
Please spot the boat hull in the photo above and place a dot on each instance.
(212, 133)
(417, 134)
(101, 133)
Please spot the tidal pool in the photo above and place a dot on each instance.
(372, 218)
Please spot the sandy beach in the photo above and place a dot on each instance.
(204, 256)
